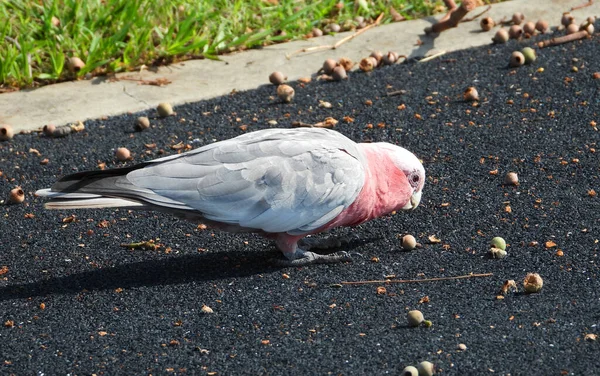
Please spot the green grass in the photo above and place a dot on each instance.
(38, 37)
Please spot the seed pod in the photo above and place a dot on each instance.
(339, 74)
(16, 196)
(285, 93)
(516, 59)
(487, 24)
(367, 64)
(518, 18)
(410, 371)
(329, 65)
(316, 32)
(591, 19)
(333, 27)
(567, 19)
(529, 28)
(529, 54)
(277, 78)
(587, 26)
(390, 58)
(533, 282)
(426, 368)
(6, 132)
(541, 26)
(142, 123)
(75, 64)
(377, 55)
(164, 109)
(346, 63)
(511, 178)
(409, 242)
(62, 131)
(471, 94)
(515, 32)
(501, 36)
(123, 154)
(572, 29)
(414, 318)
(498, 242)
(49, 129)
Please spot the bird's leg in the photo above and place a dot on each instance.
(296, 256)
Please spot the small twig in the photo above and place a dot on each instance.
(13, 41)
(396, 92)
(472, 275)
(590, 2)
(477, 16)
(564, 39)
(453, 18)
(434, 56)
(338, 43)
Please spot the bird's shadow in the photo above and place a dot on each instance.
(175, 270)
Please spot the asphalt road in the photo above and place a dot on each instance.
(73, 301)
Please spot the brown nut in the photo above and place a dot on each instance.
(277, 78)
(6, 132)
(487, 24)
(16, 196)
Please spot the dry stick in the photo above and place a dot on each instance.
(590, 2)
(337, 44)
(477, 16)
(418, 280)
(565, 39)
(434, 56)
(455, 16)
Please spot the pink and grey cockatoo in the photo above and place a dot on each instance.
(283, 183)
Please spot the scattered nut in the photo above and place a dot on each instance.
(533, 283)
(511, 178)
(529, 28)
(487, 24)
(164, 109)
(567, 19)
(346, 63)
(333, 28)
(142, 123)
(587, 26)
(515, 32)
(206, 309)
(329, 65)
(277, 78)
(339, 73)
(426, 368)
(377, 55)
(49, 129)
(390, 58)
(518, 18)
(498, 242)
(409, 242)
(410, 371)
(529, 54)
(123, 154)
(75, 64)
(285, 93)
(316, 32)
(471, 94)
(572, 29)
(367, 64)
(516, 59)
(6, 132)
(541, 26)
(501, 36)
(414, 318)
(16, 196)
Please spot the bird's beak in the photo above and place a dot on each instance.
(414, 201)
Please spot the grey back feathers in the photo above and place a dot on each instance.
(275, 180)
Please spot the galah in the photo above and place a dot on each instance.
(282, 183)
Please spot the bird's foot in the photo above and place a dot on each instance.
(327, 243)
(303, 258)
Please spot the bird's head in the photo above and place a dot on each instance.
(412, 167)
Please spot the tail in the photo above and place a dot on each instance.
(95, 189)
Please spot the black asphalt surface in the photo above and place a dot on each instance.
(110, 310)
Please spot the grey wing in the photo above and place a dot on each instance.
(294, 183)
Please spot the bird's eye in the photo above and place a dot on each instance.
(415, 178)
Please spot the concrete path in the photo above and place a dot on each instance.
(203, 79)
